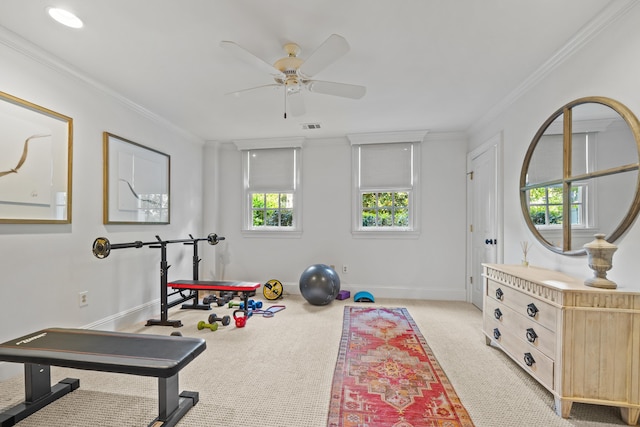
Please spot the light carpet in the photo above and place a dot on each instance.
(277, 372)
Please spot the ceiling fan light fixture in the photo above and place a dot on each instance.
(292, 85)
(65, 17)
(296, 74)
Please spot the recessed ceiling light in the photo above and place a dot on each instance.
(65, 17)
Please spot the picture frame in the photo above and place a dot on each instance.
(36, 153)
(136, 183)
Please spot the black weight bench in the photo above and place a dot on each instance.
(136, 354)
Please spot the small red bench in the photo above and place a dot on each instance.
(245, 289)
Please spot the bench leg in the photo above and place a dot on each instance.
(171, 405)
(38, 393)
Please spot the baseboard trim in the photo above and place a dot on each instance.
(126, 318)
(393, 292)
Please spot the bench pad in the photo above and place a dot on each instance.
(212, 285)
(136, 354)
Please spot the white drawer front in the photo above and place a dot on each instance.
(507, 319)
(531, 360)
(535, 309)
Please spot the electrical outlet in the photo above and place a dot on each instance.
(345, 269)
(83, 298)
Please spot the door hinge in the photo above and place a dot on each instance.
(471, 279)
(470, 228)
(470, 175)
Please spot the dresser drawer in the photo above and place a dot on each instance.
(524, 328)
(532, 360)
(535, 309)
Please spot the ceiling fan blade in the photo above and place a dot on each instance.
(327, 53)
(295, 103)
(242, 91)
(337, 89)
(250, 58)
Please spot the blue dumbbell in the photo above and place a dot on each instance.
(252, 305)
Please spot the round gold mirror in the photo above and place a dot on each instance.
(580, 175)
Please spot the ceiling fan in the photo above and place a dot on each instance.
(295, 74)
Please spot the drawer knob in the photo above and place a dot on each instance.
(528, 359)
(531, 335)
(532, 310)
(496, 333)
(499, 294)
(497, 313)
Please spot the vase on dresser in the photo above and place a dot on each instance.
(600, 254)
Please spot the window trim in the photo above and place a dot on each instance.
(358, 140)
(246, 146)
(586, 208)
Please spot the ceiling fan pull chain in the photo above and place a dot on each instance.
(285, 101)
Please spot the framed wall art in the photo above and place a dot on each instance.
(36, 152)
(136, 183)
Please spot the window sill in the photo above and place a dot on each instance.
(385, 234)
(276, 234)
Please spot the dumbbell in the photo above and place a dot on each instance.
(234, 304)
(176, 334)
(225, 320)
(223, 299)
(202, 324)
(210, 299)
(252, 305)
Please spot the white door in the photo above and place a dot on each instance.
(484, 213)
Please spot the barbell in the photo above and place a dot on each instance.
(102, 247)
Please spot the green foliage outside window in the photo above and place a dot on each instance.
(545, 205)
(385, 209)
(272, 209)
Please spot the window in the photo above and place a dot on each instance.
(386, 182)
(546, 207)
(271, 210)
(271, 188)
(546, 202)
(388, 209)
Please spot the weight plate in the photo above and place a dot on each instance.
(101, 247)
(272, 290)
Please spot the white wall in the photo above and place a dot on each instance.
(43, 267)
(609, 66)
(429, 266)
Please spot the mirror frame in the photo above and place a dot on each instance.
(628, 219)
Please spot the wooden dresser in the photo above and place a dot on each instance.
(581, 343)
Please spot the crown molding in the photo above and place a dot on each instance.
(41, 56)
(387, 137)
(256, 144)
(610, 14)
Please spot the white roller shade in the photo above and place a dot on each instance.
(580, 154)
(546, 161)
(271, 169)
(386, 165)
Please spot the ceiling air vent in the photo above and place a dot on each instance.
(311, 126)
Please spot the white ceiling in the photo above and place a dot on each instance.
(439, 65)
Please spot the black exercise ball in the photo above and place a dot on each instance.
(319, 284)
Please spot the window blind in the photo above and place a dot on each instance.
(271, 169)
(386, 165)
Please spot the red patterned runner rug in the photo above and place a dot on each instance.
(387, 375)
